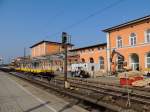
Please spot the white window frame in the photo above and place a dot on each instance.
(101, 62)
(146, 34)
(146, 58)
(133, 65)
(118, 42)
(134, 40)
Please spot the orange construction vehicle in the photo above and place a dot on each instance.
(114, 64)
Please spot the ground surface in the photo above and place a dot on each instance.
(104, 79)
(20, 96)
(108, 79)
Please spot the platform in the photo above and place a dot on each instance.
(20, 96)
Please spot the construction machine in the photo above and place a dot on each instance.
(121, 62)
(118, 54)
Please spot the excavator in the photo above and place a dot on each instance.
(121, 62)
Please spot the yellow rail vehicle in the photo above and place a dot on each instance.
(35, 71)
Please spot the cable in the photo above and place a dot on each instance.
(88, 17)
(57, 15)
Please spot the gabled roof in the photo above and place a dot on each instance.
(127, 23)
(49, 42)
(87, 47)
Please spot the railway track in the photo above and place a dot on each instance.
(143, 93)
(102, 83)
(72, 93)
(140, 96)
(109, 96)
(97, 92)
(135, 96)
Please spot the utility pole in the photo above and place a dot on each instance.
(128, 104)
(24, 52)
(65, 67)
(64, 45)
(24, 57)
(1, 61)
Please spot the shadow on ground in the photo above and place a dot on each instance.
(69, 105)
(36, 107)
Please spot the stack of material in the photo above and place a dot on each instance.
(130, 74)
(100, 73)
(141, 83)
(127, 78)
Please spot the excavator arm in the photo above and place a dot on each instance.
(118, 54)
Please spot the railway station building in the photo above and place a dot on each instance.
(132, 40)
(47, 54)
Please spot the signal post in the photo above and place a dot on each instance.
(64, 45)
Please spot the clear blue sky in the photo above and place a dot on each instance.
(25, 22)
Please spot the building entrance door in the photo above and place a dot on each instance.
(134, 61)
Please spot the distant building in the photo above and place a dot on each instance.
(48, 55)
(132, 40)
(44, 48)
(20, 61)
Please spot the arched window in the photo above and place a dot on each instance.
(132, 39)
(91, 60)
(147, 36)
(134, 61)
(119, 42)
(148, 60)
(83, 60)
(101, 62)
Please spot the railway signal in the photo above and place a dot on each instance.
(64, 37)
(64, 45)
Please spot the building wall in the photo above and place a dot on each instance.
(38, 50)
(44, 49)
(53, 48)
(141, 48)
(47, 49)
(94, 53)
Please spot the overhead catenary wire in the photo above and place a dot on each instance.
(88, 17)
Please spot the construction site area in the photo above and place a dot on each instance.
(75, 56)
